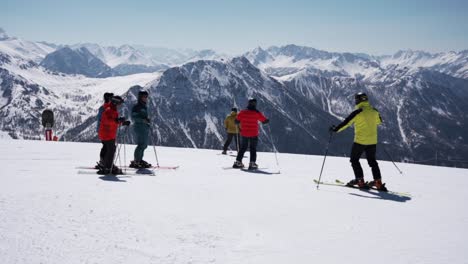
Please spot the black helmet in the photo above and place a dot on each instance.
(108, 97)
(252, 100)
(142, 93)
(117, 100)
(360, 97)
(234, 109)
(252, 104)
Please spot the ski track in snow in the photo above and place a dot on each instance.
(201, 213)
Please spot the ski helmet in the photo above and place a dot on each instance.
(142, 93)
(360, 97)
(252, 100)
(252, 105)
(117, 100)
(234, 109)
(108, 97)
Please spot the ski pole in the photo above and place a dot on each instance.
(154, 146)
(388, 154)
(323, 164)
(125, 137)
(274, 147)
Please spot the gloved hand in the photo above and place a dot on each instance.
(266, 121)
(126, 123)
(332, 129)
(121, 119)
(236, 121)
(147, 120)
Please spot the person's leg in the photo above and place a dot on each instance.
(243, 148)
(140, 141)
(371, 159)
(228, 141)
(110, 153)
(253, 149)
(356, 152)
(102, 154)
(144, 142)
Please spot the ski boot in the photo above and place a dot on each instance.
(378, 185)
(359, 183)
(104, 171)
(224, 152)
(99, 165)
(238, 165)
(116, 170)
(253, 166)
(134, 164)
(145, 164)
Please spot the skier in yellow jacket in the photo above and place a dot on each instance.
(232, 130)
(366, 119)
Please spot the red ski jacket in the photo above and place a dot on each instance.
(249, 122)
(109, 124)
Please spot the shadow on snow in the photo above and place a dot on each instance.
(383, 196)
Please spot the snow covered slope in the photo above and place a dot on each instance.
(201, 213)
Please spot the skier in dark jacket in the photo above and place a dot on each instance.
(248, 120)
(110, 122)
(141, 128)
(107, 98)
(366, 119)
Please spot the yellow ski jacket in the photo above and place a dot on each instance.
(230, 124)
(366, 119)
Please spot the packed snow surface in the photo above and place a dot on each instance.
(202, 213)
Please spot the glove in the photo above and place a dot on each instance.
(126, 123)
(237, 121)
(266, 121)
(147, 120)
(332, 129)
(121, 119)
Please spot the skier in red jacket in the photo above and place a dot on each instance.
(107, 99)
(248, 120)
(109, 124)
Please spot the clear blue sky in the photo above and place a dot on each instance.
(371, 26)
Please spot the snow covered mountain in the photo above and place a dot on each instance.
(192, 101)
(173, 57)
(290, 59)
(200, 213)
(26, 89)
(451, 63)
(114, 56)
(302, 90)
(28, 50)
(76, 61)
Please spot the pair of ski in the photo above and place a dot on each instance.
(128, 171)
(130, 168)
(342, 184)
(258, 170)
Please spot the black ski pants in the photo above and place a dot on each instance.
(229, 140)
(245, 143)
(370, 150)
(102, 154)
(109, 146)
